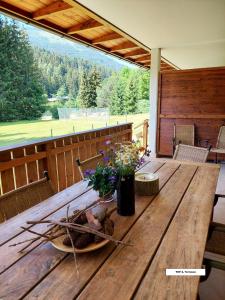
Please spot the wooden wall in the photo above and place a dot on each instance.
(191, 97)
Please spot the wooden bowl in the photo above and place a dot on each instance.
(58, 244)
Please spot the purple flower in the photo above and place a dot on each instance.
(142, 160)
(89, 172)
(106, 159)
(101, 152)
(112, 179)
(108, 142)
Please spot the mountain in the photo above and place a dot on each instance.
(59, 45)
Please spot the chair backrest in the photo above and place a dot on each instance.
(90, 163)
(16, 201)
(191, 153)
(184, 134)
(221, 138)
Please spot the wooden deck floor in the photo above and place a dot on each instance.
(214, 287)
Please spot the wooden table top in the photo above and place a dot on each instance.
(168, 230)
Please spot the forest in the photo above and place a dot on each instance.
(30, 76)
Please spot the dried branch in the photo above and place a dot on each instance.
(71, 240)
(79, 228)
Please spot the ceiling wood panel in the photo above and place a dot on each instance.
(71, 19)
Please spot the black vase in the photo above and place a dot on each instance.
(126, 196)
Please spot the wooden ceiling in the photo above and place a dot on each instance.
(76, 22)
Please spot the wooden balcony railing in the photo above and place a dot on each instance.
(140, 132)
(24, 164)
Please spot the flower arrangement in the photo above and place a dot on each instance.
(102, 179)
(116, 164)
(127, 159)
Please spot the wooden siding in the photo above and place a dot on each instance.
(191, 97)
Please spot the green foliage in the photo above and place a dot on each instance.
(93, 84)
(61, 75)
(131, 94)
(54, 111)
(21, 92)
(83, 97)
(28, 76)
(123, 91)
(143, 84)
(103, 179)
(143, 106)
(105, 91)
(88, 89)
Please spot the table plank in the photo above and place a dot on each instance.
(9, 255)
(34, 271)
(123, 271)
(184, 244)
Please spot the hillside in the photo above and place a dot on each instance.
(53, 43)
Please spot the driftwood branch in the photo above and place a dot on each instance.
(80, 228)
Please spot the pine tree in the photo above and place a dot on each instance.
(21, 93)
(105, 91)
(83, 96)
(88, 89)
(118, 97)
(93, 84)
(131, 95)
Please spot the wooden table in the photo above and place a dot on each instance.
(168, 230)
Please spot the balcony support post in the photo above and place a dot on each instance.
(154, 84)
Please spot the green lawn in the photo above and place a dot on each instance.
(24, 131)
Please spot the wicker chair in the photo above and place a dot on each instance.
(183, 134)
(90, 163)
(16, 201)
(191, 153)
(220, 145)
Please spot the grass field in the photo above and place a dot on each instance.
(24, 131)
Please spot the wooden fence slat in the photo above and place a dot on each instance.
(81, 148)
(7, 178)
(52, 167)
(20, 171)
(42, 163)
(32, 171)
(69, 164)
(61, 165)
(75, 154)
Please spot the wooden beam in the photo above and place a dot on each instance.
(45, 24)
(192, 116)
(9, 8)
(163, 64)
(124, 46)
(51, 9)
(84, 26)
(135, 53)
(107, 37)
(143, 58)
(166, 67)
